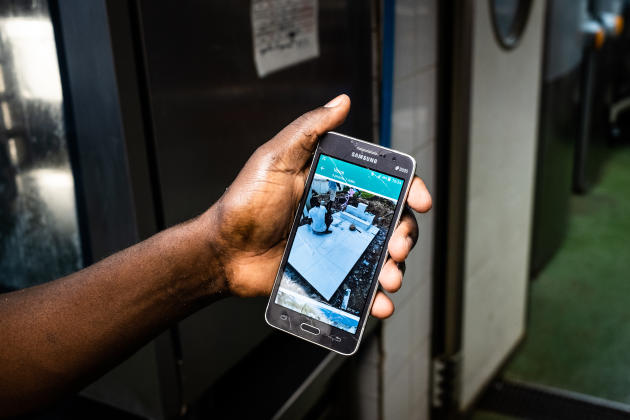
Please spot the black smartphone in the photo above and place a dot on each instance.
(354, 195)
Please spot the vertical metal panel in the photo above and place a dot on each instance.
(597, 93)
(558, 129)
(106, 123)
(103, 172)
(210, 111)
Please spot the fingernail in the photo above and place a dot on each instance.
(334, 102)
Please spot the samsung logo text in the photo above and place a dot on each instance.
(363, 157)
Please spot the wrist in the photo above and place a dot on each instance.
(212, 252)
(188, 261)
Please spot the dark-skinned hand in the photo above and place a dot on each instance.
(251, 222)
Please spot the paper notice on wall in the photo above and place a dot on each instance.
(285, 33)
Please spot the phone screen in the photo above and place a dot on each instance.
(342, 230)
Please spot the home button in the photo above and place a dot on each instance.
(309, 328)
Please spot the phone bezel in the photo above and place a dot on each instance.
(340, 146)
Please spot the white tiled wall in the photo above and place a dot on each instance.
(406, 336)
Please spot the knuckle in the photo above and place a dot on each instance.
(306, 124)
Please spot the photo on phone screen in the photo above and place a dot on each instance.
(342, 232)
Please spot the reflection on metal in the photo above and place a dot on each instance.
(568, 31)
(13, 153)
(2, 88)
(509, 18)
(598, 92)
(6, 116)
(39, 239)
(30, 40)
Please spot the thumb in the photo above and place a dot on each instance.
(300, 137)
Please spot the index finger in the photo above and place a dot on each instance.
(419, 198)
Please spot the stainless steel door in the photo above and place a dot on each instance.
(210, 111)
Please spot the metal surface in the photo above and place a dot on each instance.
(39, 231)
(81, 49)
(620, 107)
(531, 401)
(97, 132)
(558, 131)
(454, 98)
(306, 395)
(456, 162)
(598, 91)
(509, 19)
(210, 111)
(591, 141)
(106, 127)
(159, 122)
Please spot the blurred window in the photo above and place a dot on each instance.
(39, 234)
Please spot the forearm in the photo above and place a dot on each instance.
(58, 335)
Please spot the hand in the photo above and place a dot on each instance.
(251, 222)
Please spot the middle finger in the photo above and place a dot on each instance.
(391, 276)
(404, 237)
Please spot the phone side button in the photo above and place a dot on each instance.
(309, 328)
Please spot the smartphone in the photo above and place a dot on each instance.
(328, 276)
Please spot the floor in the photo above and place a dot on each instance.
(487, 415)
(578, 335)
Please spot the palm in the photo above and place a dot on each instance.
(256, 220)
